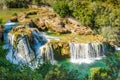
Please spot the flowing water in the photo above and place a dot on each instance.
(86, 52)
(39, 50)
(23, 51)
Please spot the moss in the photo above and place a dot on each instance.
(32, 12)
(82, 38)
(21, 31)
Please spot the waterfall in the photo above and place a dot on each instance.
(10, 39)
(22, 53)
(49, 55)
(7, 27)
(29, 50)
(86, 52)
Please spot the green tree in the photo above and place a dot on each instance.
(61, 7)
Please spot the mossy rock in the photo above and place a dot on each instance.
(61, 50)
(14, 19)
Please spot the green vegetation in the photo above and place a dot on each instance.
(8, 13)
(61, 7)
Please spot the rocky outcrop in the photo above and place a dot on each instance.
(23, 16)
(39, 23)
(83, 31)
(48, 20)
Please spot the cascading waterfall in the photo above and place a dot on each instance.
(86, 52)
(35, 49)
(24, 51)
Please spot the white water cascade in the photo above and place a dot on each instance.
(23, 52)
(86, 52)
(26, 52)
(48, 53)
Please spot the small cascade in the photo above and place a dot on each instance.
(86, 52)
(10, 39)
(7, 27)
(49, 55)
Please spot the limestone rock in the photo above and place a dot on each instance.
(61, 49)
(83, 30)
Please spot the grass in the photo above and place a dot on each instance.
(82, 38)
(78, 38)
(6, 14)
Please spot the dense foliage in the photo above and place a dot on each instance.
(61, 7)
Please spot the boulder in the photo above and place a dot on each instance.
(59, 27)
(60, 30)
(39, 23)
(83, 31)
(22, 16)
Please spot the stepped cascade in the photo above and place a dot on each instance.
(86, 52)
(31, 47)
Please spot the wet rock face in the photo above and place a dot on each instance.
(1, 33)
